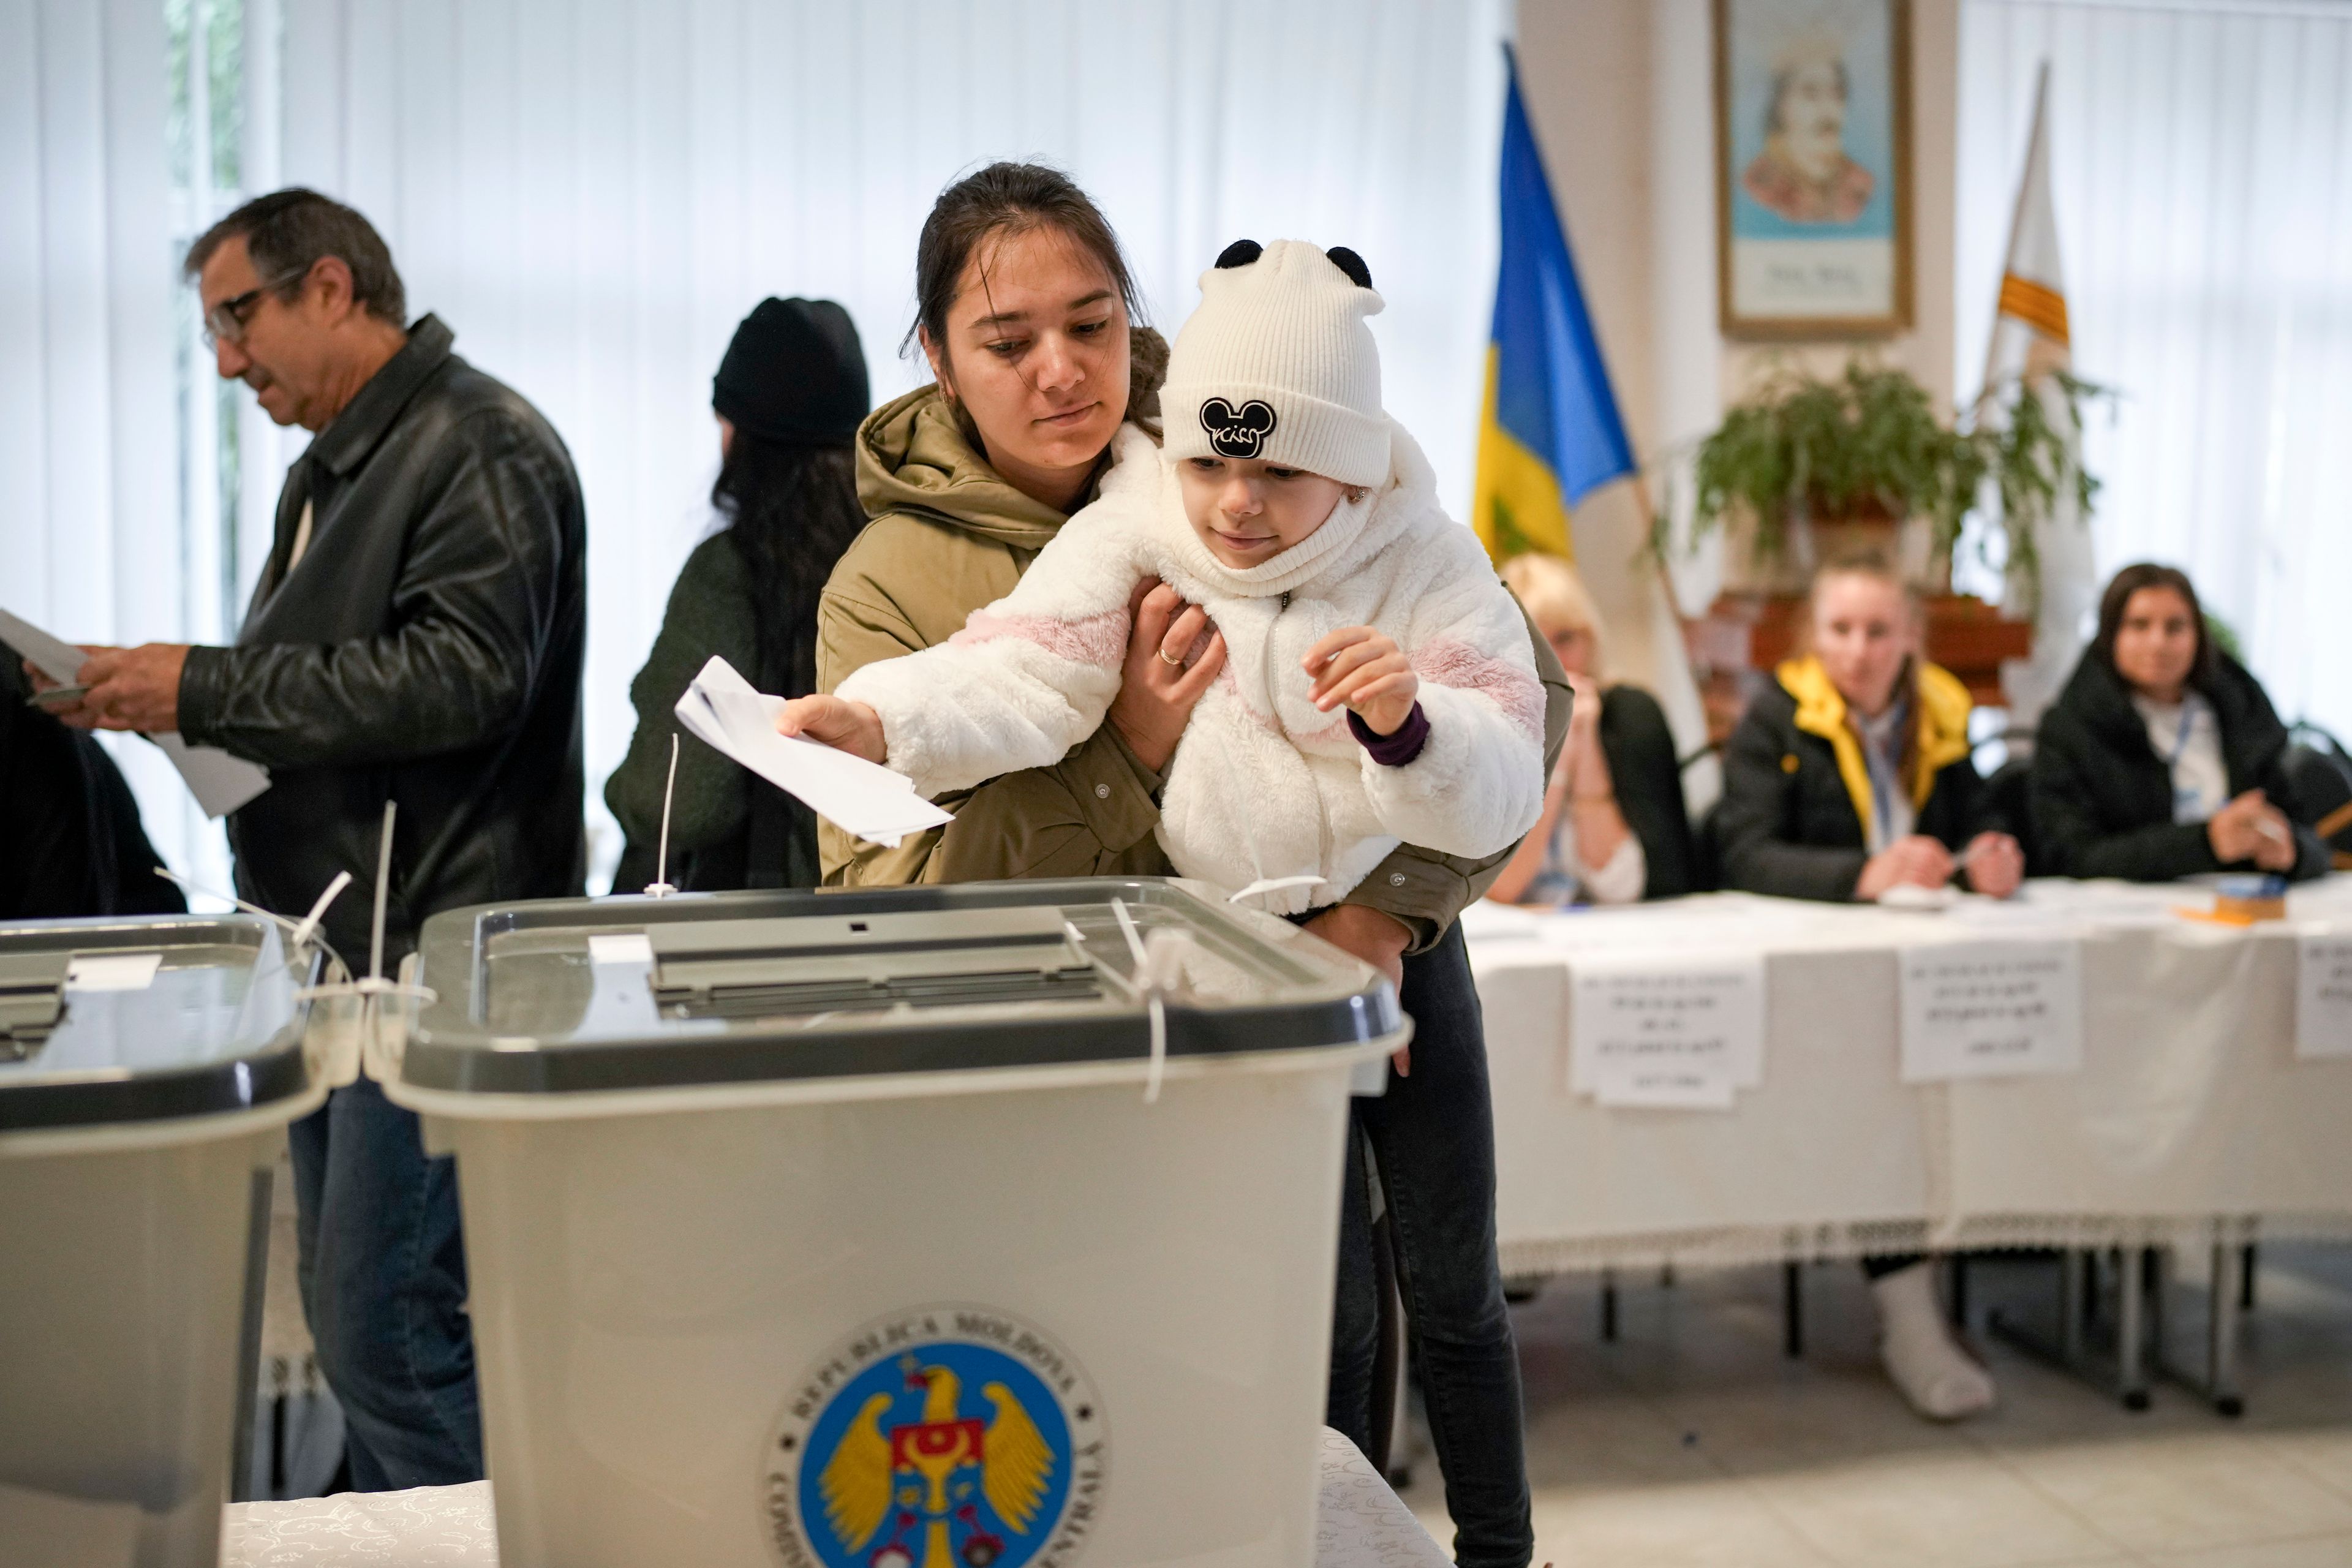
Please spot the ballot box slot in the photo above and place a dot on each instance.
(851, 936)
(809, 999)
(810, 966)
(32, 1000)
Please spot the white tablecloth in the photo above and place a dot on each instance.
(2192, 1110)
(1360, 1523)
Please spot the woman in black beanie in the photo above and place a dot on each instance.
(789, 395)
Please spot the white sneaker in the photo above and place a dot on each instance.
(1941, 1379)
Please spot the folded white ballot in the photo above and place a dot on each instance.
(53, 656)
(722, 708)
(219, 782)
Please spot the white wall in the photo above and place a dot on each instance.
(1621, 95)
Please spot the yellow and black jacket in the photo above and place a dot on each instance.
(1796, 791)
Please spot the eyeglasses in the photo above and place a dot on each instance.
(225, 322)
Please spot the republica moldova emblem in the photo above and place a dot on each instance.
(942, 1436)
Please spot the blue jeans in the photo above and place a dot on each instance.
(382, 1270)
(1432, 1135)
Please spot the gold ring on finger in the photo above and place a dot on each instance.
(1173, 660)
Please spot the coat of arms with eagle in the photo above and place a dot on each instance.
(946, 1436)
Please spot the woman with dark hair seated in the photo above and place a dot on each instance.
(2163, 757)
(789, 395)
(1851, 776)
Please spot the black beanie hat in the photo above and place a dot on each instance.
(796, 373)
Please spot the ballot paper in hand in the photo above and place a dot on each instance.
(53, 656)
(220, 782)
(860, 797)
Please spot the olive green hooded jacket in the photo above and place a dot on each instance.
(949, 536)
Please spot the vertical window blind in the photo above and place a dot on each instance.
(2203, 165)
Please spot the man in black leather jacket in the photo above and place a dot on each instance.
(416, 637)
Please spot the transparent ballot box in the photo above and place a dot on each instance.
(148, 1069)
(985, 1225)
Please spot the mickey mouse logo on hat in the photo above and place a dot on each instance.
(1236, 431)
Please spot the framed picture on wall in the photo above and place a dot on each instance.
(1812, 113)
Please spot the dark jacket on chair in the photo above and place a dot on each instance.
(426, 649)
(1796, 789)
(2103, 798)
(70, 838)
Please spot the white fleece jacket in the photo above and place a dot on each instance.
(1262, 784)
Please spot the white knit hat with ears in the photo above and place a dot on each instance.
(1278, 364)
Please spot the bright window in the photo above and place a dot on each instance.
(2202, 165)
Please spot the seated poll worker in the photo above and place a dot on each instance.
(1613, 829)
(416, 637)
(2162, 758)
(1851, 776)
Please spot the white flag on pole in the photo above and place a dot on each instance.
(2030, 342)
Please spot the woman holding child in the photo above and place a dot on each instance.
(1400, 717)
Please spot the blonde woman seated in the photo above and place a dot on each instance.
(1849, 776)
(1613, 829)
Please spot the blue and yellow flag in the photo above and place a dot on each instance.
(1549, 433)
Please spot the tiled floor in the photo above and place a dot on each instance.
(1692, 1440)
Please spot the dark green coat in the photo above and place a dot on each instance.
(728, 827)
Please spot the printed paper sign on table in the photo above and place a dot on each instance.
(1991, 1009)
(1665, 1028)
(2323, 1009)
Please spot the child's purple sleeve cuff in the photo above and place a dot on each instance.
(1393, 750)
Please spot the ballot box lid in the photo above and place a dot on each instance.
(580, 995)
(145, 1018)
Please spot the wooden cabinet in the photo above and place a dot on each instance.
(1743, 635)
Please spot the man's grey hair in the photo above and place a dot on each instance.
(287, 231)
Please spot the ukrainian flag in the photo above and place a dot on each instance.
(1549, 434)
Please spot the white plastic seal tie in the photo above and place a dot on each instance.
(373, 991)
(299, 933)
(1158, 969)
(659, 887)
(309, 926)
(383, 891)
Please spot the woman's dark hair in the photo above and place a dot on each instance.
(792, 511)
(2131, 580)
(1012, 199)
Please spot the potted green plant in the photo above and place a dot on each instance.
(2030, 458)
(1806, 466)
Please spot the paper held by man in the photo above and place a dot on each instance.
(220, 782)
(859, 798)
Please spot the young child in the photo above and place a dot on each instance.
(1378, 687)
